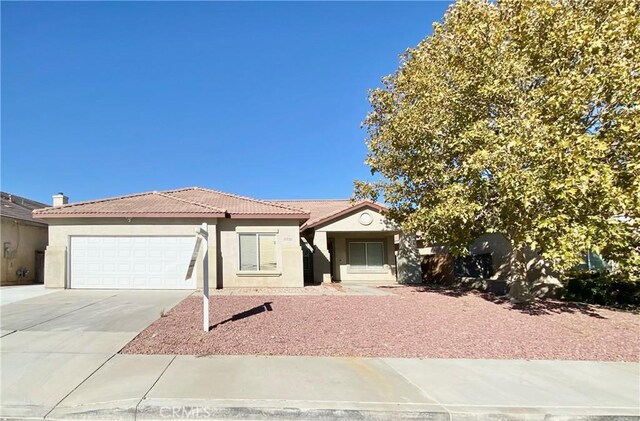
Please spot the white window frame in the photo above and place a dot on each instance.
(257, 235)
(366, 267)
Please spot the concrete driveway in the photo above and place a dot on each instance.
(51, 343)
(14, 293)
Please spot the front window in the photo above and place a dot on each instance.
(258, 252)
(592, 261)
(366, 255)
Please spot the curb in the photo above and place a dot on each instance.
(299, 414)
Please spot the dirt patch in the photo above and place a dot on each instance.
(411, 322)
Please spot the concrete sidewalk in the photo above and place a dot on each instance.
(260, 388)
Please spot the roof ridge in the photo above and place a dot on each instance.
(6, 195)
(264, 202)
(11, 203)
(192, 202)
(87, 202)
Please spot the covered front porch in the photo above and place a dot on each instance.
(354, 242)
(354, 256)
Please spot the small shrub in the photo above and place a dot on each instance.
(163, 313)
(601, 287)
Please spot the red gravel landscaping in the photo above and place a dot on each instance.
(412, 322)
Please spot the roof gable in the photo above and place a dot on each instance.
(325, 211)
(344, 213)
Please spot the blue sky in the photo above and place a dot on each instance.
(263, 99)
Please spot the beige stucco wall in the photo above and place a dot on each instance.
(539, 271)
(21, 240)
(290, 265)
(60, 231)
(500, 249)
(341, 268)
(321, 257)
(351, 223)
(408, 260)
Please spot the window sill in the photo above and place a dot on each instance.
(369, 271)
(257, 273)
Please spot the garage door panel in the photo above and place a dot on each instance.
(131, 262)
(106, 252)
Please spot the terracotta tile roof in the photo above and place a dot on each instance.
(18, 207)
(324, 210)
(235, 205)
(188, 202)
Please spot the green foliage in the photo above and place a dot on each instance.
(601, 287)
(519, 117)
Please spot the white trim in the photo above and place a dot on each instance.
(358, 270)
(67, 274)
(254, 273)
(365, 218)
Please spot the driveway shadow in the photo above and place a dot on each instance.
(247, 313)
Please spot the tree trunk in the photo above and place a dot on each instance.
(520, 290)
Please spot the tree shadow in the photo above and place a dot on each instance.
(247, 313)
(538, 307)
(541, 307)
(439, 289)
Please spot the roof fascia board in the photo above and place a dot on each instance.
(301, 216)
(131, 215)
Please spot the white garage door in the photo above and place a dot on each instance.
(131, 262)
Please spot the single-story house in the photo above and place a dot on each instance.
(145, 241)
(23, 240)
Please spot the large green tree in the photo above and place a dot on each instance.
(520, 117)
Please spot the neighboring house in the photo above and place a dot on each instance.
(145, 241)
(23, 240)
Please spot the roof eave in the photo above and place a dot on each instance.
(26, 220)
(300, 217)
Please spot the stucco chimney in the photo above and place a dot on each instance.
(60, 199)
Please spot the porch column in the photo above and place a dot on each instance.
(321, 262)
(409, 271)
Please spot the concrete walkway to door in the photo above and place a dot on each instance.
(51, 343)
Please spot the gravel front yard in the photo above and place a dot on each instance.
(410, 322)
